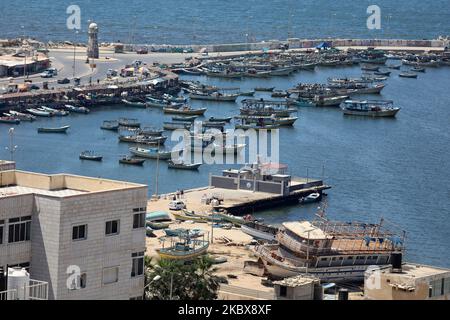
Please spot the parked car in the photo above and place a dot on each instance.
(63, 81)
(46, 74)
(142, 50)
(177, 205)
(34, 87)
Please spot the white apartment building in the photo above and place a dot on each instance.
(84, 236)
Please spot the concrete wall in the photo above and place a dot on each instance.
(245, 184)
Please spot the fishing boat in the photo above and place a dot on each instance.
(249, 93)
(158, 103)
(150, 131)
(90, 155)
(192, 233)
(269, 120)
(185, 217)
(284, 71)
(382, 73)
(217, 119)
(9, 120)
(174, 99)
(371, 108)
(157, 225)
(38, 113)
(312, 197)
(186, 110)
(324, 101)
(182, 247)
(54, 112)
(112, 125)
(62, 129)
(300, 102)
(224, 74)
(279, 94)
(129, 122)
(253, 73)
(214, 96)
(259, 230)
(131, 161)
(22, 116)
(137, 104)
(261, 107)
(157, 216)
(418, 69)
(142, 139)
(330, 250)
(75, 109)
(184, 118)
(152, 153)
(176, 125)
(395, 67)
(183, 165)
(370, 68)
(267, 89)
(236, 220)
(407, 75)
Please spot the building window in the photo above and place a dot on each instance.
(79, 232)
(79, 282)
(19, 229)
(139, 220)
(2, 224)
(139, 209)
(283, 291)
(112, 227)
(82, 282)
(137, 267)
(110, 275)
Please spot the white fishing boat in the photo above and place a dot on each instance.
(260, 230)
(22, 116)
(312, 197)
(152, 153)
(38, 113)
(371, 108)
(324, 101)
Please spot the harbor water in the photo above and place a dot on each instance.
(397, 169)
(217, 21)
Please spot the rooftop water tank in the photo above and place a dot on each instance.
(19, 280)
(396, 261)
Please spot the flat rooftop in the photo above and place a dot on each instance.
(15, 182)
(416, 271)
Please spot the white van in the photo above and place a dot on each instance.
(177, 205)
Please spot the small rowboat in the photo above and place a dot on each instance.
(136, 104)
(183, 166)
(53, 130)
(250, 93)
(312, 197)
(407, 75)
(418, 69)
(214, 119)
(90, 155)
(187, 233)
(176, 125)
(382, 73)
(22, 116)
(157, 225)
(184, 110)
(152, 153)
(132, 161)
(186, 118)
(76, 109)
(395, 67)
(38, 113)
(126, 122)
(112, 125)
(157, 216)
(9, 119)
(184, 251)
(269, 89)
(184, 217)
(370, 68)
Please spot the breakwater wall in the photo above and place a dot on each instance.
(295, 43)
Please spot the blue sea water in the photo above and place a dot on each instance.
(218, 21)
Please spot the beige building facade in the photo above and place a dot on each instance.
(84, 236)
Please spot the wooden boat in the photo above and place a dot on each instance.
(191, 233)
(152, 153)
(137, 104)
(407, 75)
(54, 112)
(236, 220)
(62, 129)
(141, 139)
(370, 68)
(22, 116)
(268, 89)
(250, 93)
(253, 73)
(279, 94)
(158, 103)
(174, 99)
(149, 233)
(395, 67)
(321, 101)
(269, 120)
(371, 108)
(418, 69)
(90, 155)
(150, 131)
(157, 216)
(129, 122)
(38, 113)
(255, 126)
(184, 217)
(184, 118)
(9, 120)
(300, 102)
(184, 110)
(183, 166)
(75, 109)
(112, 125)
(259, 230)
(216, 119)
(224, 74)
(184, 250)
(132, 161)
(382, 73)
(285, 71)
(214, 96)
(177, 125)
(157, 225)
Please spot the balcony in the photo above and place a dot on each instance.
(34, 290)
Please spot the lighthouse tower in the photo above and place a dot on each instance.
(92, 49)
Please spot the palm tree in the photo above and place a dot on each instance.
(171, 279)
